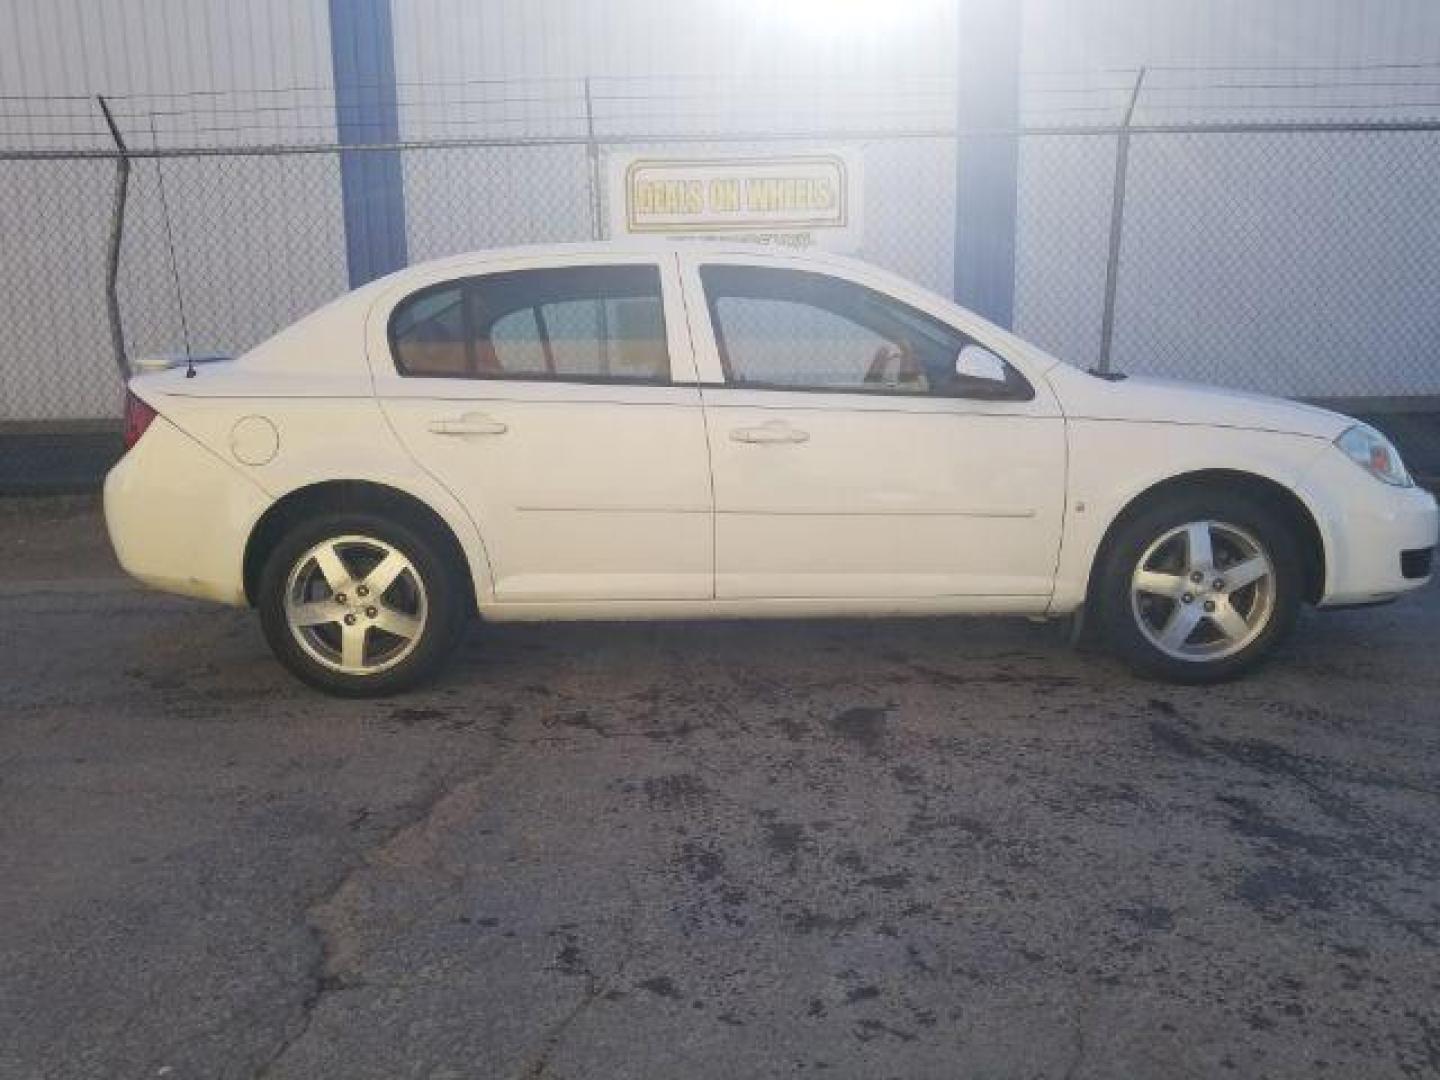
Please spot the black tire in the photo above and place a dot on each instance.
(445, 598)
(1120, 621)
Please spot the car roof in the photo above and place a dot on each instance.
(591, 248)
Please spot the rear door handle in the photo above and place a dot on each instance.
(469, 424)
(774, 432)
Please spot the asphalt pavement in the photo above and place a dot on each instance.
(911, 848)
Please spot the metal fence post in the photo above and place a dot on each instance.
(367, 112)
(987, 157)
(1117, 223)
(117, 235)
(592, 154)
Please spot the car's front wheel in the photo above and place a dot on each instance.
(360, 605)
(1200, 587)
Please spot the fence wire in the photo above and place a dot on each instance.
(460, 199)
(240, 246)
(55, 355)
(1299, 263)
(1062, 228)
(1299, 259)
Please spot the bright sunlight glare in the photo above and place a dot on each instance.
(845, 16)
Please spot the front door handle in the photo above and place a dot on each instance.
(775, 431)
(469, 424)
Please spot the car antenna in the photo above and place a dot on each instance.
(174, 268)
(1107, 374)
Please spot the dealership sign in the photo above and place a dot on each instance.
(793, 200)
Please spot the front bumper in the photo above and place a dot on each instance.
(1367, 526)
(179, 517)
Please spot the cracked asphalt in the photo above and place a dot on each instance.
(890, 849)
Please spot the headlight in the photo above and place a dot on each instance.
(1375, 454)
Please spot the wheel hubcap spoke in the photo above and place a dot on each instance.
(398, 623)
(1231, 623)
(315, 613)
(352, 646)
(1246, 573)
(1180, 626)
(384, 575)
(1198, 546)
(337, 576)
(1160, 584)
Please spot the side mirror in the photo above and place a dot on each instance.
(977, 362)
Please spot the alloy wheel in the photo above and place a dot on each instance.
(356, 604)
(1203, 591)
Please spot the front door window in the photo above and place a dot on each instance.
(796, 330)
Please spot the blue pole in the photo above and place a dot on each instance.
(987, 157)
(362, 57)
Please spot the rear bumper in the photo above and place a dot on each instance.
(179, 517)
(1367, 527)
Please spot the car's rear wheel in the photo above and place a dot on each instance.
(1200, 587)
(359, 605)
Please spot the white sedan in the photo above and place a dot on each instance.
(593, 432)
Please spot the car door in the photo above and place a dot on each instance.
(557, 400)
(851, 460)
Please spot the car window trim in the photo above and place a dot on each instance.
(542, 328)
(548, 377)
(543, 377)
(1023, 392)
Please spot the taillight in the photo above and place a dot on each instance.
(138, 416)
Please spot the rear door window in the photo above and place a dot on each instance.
(579, 324)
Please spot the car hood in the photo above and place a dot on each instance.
(1143, 399)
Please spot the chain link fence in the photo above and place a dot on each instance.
(1296, 259)
(55, 355)
(1063, 211)
(1303, 263)
(220, 251)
